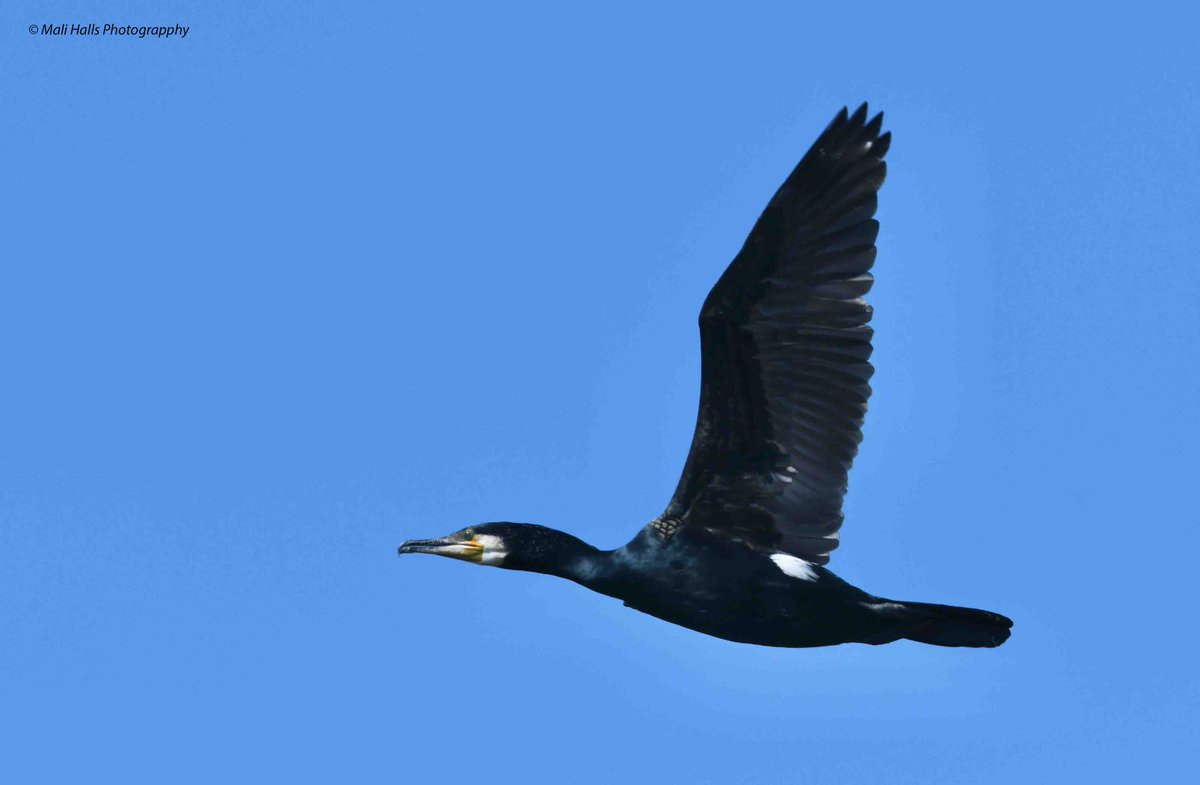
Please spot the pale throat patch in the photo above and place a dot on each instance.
(795, 566)
(493, 550)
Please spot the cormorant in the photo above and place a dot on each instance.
(739, 551)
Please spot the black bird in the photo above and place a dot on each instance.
(740, 549)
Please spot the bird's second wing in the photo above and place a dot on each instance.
(785, 348)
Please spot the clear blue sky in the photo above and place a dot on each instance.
(325, 276)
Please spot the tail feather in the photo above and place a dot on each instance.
(947, 625)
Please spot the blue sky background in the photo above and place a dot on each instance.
(325, 276)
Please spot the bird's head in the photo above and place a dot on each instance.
(487, 543)
(515, 546)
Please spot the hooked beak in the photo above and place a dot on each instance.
(455, 549)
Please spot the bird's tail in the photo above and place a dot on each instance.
(947, 625)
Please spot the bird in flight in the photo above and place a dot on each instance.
(740, 551)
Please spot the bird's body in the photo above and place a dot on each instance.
(739, 551)
(729, 590)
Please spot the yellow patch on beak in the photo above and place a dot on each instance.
(467, 551)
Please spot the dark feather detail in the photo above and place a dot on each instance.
(786, 347)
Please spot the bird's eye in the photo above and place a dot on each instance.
(469, 535)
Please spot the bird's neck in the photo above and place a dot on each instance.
(565, 556)
(595, 569)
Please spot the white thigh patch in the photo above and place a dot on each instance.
(794, 566)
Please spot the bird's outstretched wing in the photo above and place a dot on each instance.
(785, 348)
